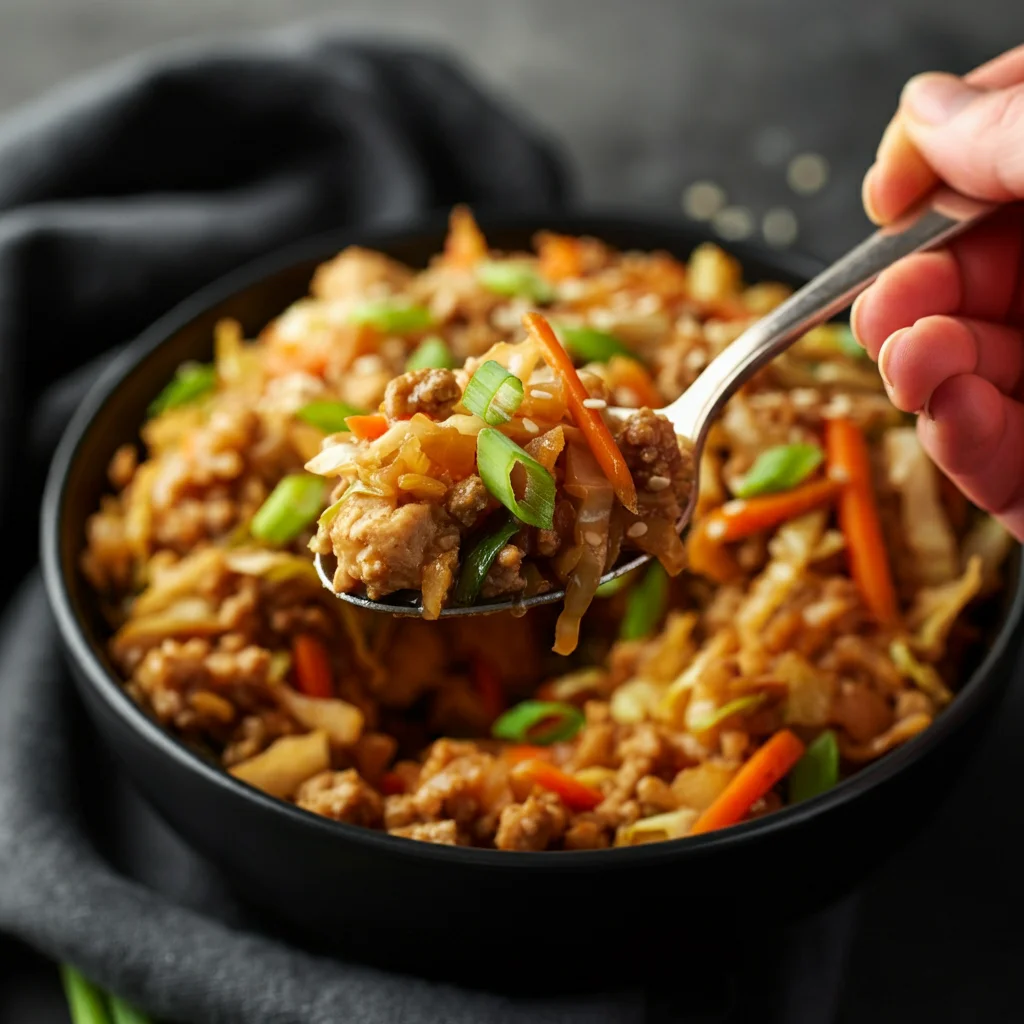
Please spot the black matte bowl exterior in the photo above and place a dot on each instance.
(462, 912)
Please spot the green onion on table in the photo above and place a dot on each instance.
(88, 1004)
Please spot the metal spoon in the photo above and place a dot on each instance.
(940, 217)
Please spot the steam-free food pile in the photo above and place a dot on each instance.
(445, 431)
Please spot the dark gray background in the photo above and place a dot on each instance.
(648, 96)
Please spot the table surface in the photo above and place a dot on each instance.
(649, 96)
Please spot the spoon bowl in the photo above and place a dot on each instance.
(941, 216)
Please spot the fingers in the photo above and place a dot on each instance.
(979, 276)
(972, 138)
(966, 132)
(916, 361)
(975, 434)
(916, 287)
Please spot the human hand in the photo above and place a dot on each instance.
(947, 327)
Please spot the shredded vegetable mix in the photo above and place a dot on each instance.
(597, 434)
(412, 430)
(849, 462)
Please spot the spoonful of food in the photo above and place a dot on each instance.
(940, 217)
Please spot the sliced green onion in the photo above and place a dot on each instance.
(479, 561)
(817, 771)
(780, 469)
(328, 416)
(86, 1003)
(538, 721)
(393, 317)
(496, 457)
(493, 393)
(733, 707)
(432, 353)
(590, 345)
(646, 605)
(613, 586)
(848, 344)
(192, 381)
(514, 280)
(292, 505)
(122, 1013)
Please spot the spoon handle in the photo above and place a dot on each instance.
(941, 216)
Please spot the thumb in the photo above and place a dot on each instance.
(972, 138)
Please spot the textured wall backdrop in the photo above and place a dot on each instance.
(648, 95)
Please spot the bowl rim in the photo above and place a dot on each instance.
(586, 220)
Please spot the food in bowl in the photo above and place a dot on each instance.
(830, 602)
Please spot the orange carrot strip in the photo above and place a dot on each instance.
(594, 428)
(524, 752)
(572, 793)
(367, 428)
(628, 373)
(487, 684)
(561, 256)
(391, 784)
(767, 766)
(740, 518)
(848, 461)
(465, 244)
(313, 674)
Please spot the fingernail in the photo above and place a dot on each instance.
(885, 354)
(867, 197)
(935, 98)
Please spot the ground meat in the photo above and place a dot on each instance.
(460, 782)
(432, 392)
(532, 825)
(356, 271)
(587, 832)
(123, 466)
(385, 547)
(505, 575)
(659, 464)
(343, 796)
(444, 832)
(466, 500)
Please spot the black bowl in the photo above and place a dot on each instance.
(456, 912)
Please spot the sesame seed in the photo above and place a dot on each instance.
(592, 538)
(637, 530)
(658, 483)
(594, 403)
(368, 364)
(530, 426)
(539, 393)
